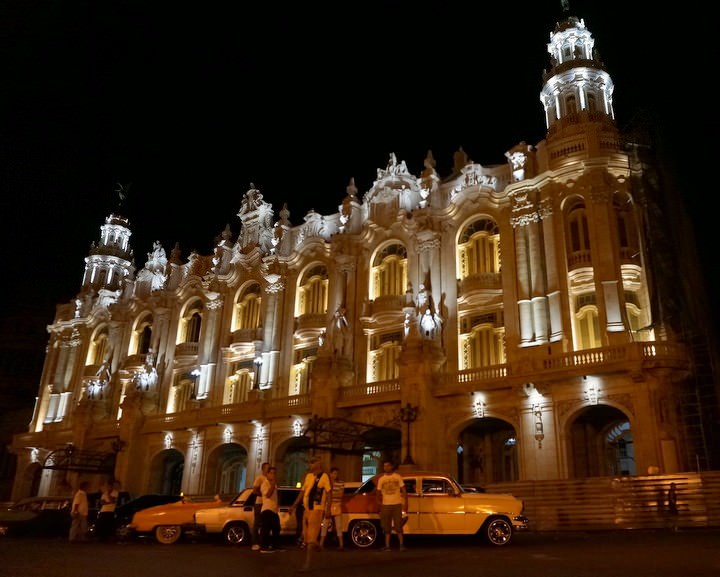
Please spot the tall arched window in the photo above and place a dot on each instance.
(587, 324)
(578, 249)
(141, 337)
(482, 341)
(248, 308)
(191, 323)
(479, 249)
(312, 294)
(388, 276)
(383, 357)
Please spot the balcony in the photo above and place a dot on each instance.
(186, 350)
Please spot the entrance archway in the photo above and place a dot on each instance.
(600, 443)
(486, 452)
(166, 471)
(227, 470)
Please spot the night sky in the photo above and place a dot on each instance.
(186, 104)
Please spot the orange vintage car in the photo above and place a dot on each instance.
(167, 523)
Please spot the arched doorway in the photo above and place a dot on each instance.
(31, 480)
(166, 471)
(600, 443)
(486, 452)
(227, 470)
(294, 455)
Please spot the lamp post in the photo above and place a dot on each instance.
(257, 361)
(408, 414)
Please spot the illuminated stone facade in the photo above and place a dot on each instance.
(501, 322)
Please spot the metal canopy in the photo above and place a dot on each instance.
(71, 458)
(350, 437)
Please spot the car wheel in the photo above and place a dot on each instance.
(498, 531)
(237, 534)
(168, 534)
(363, 533)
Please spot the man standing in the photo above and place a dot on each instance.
(79, 511)
(392, 497)
(106, 517)
(257, 510)
(270, 519)
(315, 493)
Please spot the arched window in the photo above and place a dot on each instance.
(388, 276)
(587, 324)
(248, 308)
(578, 249)
(191, 323)
(479, 248)
(383, 357)
(482, 341)
(312, 294)
(141, 337)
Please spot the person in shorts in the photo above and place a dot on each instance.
(392, 498)
(315, 493)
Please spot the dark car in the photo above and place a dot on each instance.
(128, 507)
(37, 517)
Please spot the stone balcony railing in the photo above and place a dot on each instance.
(630, 357)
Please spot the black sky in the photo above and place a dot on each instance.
(190, 102)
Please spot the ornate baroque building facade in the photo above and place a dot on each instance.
(502, 323)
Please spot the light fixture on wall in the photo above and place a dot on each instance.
(591, 390)
(257, 361)
(408, 414)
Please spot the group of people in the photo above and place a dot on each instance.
(320, 504)
(80, 509)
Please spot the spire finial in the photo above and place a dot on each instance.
(122, 191)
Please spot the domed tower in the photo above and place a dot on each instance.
(577, 96)
(110, 261)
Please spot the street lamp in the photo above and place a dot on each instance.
(257, 361)
(408, 414)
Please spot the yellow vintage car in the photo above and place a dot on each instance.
(168, 523)
(437, 505)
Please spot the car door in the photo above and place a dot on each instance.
(412, 525)
(442, 511)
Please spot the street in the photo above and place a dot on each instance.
(691, 553)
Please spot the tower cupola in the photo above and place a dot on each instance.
(576, 88)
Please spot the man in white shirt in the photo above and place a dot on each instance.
(270, 519)
(79, 512)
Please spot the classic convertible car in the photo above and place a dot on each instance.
(167, 523)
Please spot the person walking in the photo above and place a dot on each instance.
(314, 495)
(333, 515)
(270, 519)
(257, 509)
(392, 498)
(106, 517)
(79, 512)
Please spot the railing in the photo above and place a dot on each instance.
(369, 389)
(628, 357)
(480, 281)
(186, 350)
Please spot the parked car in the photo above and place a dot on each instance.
(125, 511)
(235, 521)
(37, 517)
(437, 505)
(94, 505)
(167, 523)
